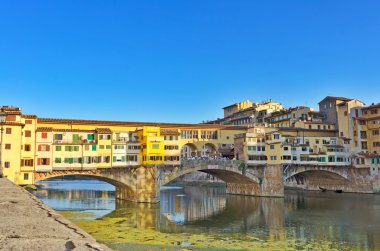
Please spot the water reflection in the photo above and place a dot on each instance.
(301, 219)
(85, 195)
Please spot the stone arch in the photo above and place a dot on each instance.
(123, 190)
(209, 150)
(189, 150)
(326, 172)
(228, 175)
(315, 179)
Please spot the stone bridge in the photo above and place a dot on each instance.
(143, 183)
(346, 178)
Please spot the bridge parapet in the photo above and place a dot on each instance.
(208, 164)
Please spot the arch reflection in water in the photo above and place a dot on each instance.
(197, 210)
(95, 197)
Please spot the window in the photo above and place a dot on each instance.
(7, 164)
(309, 126)
(108, 146)
(57, 160)
(28, 121)
(133, 147)
(58, 136)
(155, 146)
(75, 138)
(376, 144)
(28, 134)
(374, 111)
(27, 148)
(276, 136)
(101, 146)
(286, 148)
(43, 161)
(26, 176)
(271, 146)
(76, 148)
(105, 136)
(58, 148)
(363, 134)
(26, 162)
(43, 148)
(8, 130)
(317, 141)
(375, 132)
(90, 136)
(8, 146)
(273, 157)
(118, 147)
(345, 113)
(86, 147)
(44, 135)
(131, 157)
(93, 147)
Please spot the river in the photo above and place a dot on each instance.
(204, 218)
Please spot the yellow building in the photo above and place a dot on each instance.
(287, 117)
(234, 108)
(366, 136)
(267, 146)
(247, 113)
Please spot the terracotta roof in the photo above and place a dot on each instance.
(125, 123)
(51, 129)
(103, 130)
(13, 112)
(367, 155)
(10, 108)
(29, 116)
(371, 107)
(13, 123)
(317, 122)
(365, 119)
(305, 129)
(44, 129)
(336, 98)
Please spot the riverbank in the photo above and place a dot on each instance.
(28, 224)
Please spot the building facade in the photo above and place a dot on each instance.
(31, 144)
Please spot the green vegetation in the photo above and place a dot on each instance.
(121, 232)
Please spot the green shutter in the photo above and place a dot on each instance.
(94, 147)
(90, 136)
(75, 138)
(58, 148)
(123, 158)
(114, 158)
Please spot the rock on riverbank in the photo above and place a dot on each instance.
(28, 224)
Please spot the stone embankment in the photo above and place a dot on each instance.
(28, 224)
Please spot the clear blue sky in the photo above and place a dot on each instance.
(181, 61)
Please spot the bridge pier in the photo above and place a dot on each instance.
(144, 189)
